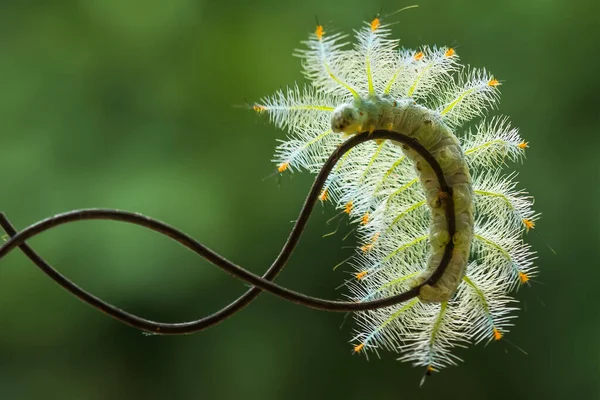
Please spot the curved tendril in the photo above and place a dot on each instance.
(259, 283)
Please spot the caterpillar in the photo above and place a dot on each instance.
(394, 197)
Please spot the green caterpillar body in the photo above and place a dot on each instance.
(429, 130)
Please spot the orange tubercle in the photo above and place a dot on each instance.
(523, 277)
(324, 195)
(419, 55)
(319, 32)
(361, 275)
(529, 224)
(523, 145)
(258, 108)
(450, 52)
(283, 166)
(358, 347)
(365, 219)
(497, 334)
(348, 208)
(375, 24)
(493, 82)
(367, 247)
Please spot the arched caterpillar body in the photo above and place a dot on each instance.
(394, 197)
(429, 130)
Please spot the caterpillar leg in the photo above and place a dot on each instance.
(435, 294)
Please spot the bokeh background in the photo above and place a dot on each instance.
(139, 105)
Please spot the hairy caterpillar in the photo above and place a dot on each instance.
(374, 89)
(394, 197)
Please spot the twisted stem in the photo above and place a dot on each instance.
(259, 283)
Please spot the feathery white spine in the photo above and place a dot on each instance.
(401, 75)
(431, 70)
(323, 62)
(468, 97)
(363, 172)
(498, 199)
(488, 307)
(378, 53)
(436, 331)
(296, 108)
(306, 154)
(499, 245)
(386, 327)
(493, 143)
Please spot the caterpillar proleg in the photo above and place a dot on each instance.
(395, 198)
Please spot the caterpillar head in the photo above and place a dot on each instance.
(348, 119)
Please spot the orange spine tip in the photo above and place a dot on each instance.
(375, 24)
(493, 82)
(367, 247)
(523, 145)
(523, 277)
(319, 32)
(259, 108)
(324, 195)
(419, 55)
(361, 275)
(497, 334)
(358, 347)
(365, 219)
(282, 167)
(529, 224)
(348, 208)
(450, 52)
(430, 369)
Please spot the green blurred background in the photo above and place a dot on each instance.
(134, 105)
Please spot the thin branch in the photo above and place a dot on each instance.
(259, 283)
